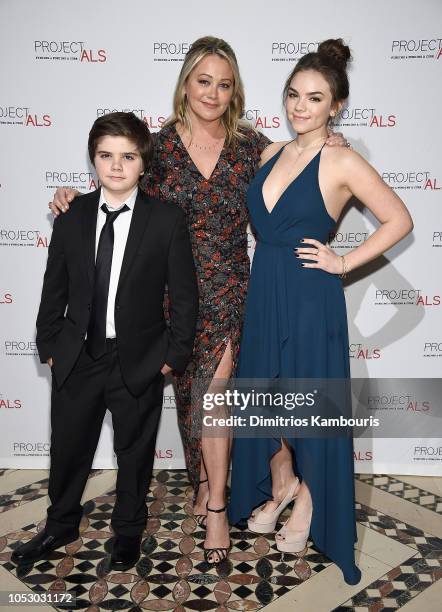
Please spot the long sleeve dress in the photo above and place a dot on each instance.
(217, 217)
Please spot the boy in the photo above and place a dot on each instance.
(101, 329)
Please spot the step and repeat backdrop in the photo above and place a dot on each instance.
(64, 64)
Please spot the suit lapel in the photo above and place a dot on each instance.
(140, 217)
(89, 224)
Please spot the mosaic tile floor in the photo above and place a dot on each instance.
(29, 493)
(172, 573)
(172, 569)
(392, 485)
(407, 580)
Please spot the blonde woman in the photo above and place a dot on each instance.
(205, 157)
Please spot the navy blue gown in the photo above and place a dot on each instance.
(296, 327)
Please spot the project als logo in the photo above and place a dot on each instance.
(24, 116)
(364, 116)
(20, 348)
(290, 51)
(68, 51)
(347, 240)
(437, 239)
(154, 121)
(432, 348)
(30, 449)
(423, 180)
(251, 242)
(9, 403)
(360, 351)
(20, 237)
(260, 120)
(398, 401)
(405, 297)
(416, 48)
(169, 402)
(6, 298)
(80, 180)
(169, 51)
(362, 455)
(163, 453)
(427, 453)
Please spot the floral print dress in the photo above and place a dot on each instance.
(217, 220)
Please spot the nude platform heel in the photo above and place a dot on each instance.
(264, 521)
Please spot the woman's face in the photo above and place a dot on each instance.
(309, 102)
(209, 88)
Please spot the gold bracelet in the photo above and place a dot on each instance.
(344, 267)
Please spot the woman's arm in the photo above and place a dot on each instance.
(355, 177)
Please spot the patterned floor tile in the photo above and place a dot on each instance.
(404, 490)
(29, 493)
(172, 574)
(409, 579)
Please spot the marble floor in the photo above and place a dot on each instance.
(399, 552)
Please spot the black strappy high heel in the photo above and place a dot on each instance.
(201, 519)
(221, 552)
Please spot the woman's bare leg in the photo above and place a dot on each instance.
(301, 515)
(281, 467)
(199, 506)
(216, 458)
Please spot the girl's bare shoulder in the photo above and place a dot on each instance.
(271, 150)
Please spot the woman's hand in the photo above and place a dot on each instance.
(62, 198)
(337, 139)
(322, 254)
(166, 369)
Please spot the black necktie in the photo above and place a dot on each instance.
(96, 333)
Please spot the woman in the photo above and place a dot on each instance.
(296, 310)
(204, 160)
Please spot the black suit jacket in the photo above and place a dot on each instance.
(158, 253)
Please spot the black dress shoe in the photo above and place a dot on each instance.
(40, 547)
(126, 552)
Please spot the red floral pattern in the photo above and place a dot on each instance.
(217, 219)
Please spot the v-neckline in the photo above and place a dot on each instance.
(277, 155)
(181, 143)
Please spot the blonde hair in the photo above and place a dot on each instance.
(231, 119)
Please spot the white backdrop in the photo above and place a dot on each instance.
(65, 63)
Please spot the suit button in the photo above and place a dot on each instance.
(88, 306)
(117, 308)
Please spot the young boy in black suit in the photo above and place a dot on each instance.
(101, 329)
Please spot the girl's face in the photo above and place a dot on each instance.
(209, 88)
(309, 103)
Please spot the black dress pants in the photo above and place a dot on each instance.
(77, 412)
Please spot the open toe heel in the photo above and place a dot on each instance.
(264, 521)
(292, 541)
(221, 552)
(201, 519)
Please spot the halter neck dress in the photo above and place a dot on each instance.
(295, 326)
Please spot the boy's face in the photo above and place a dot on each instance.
(118, 165)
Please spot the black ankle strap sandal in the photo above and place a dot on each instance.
(221, 553)
(201, 518)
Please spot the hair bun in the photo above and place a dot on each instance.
(334, 51)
